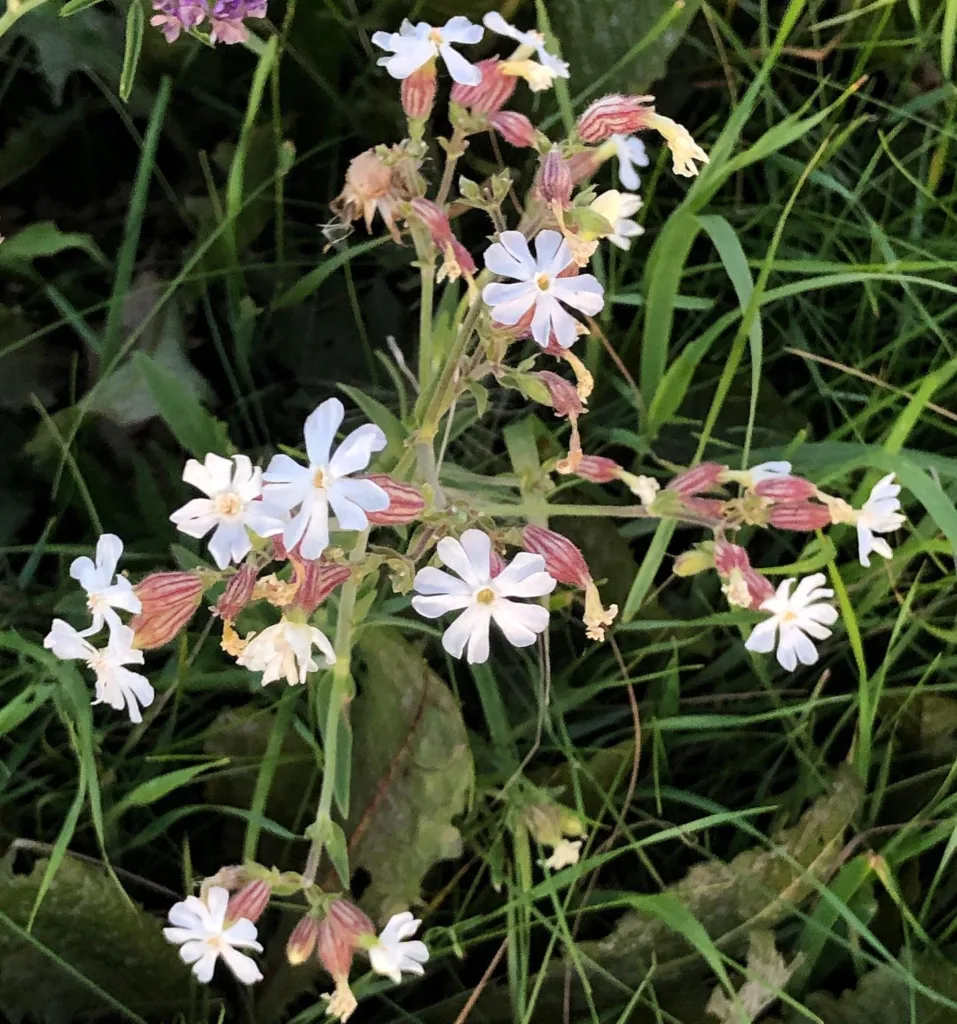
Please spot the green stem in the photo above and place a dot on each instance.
(427, 273)
(455, 150)
(15, 11)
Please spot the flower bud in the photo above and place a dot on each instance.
(706, 510)
(690, 563)
(491, 94)
(250, 901)
(698, 480)
(728, 556)
(555, 179)
(238, 593)
(614, 115)
(583, 165)
(418, 92)
(564, 396)
(349, 920)
(317, 580)
(597, 469)
(169, 600)
(786, 488)
(458, 259)
(515, 128)
(563, 560)
(406, 503)
(799, 515)
(743, 586)
(303, 940)
(496, 564)
(334, 949)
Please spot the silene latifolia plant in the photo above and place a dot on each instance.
(294, 532)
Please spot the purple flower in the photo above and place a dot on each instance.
(227, 19)
(175, 16)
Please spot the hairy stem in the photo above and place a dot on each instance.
(455, 150)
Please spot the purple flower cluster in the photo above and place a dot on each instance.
(226, 17)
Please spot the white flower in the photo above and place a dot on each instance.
(631, 152)
(879, 514)
(325, 481)
(284, 651)
(202, 936)
(115, 685)
(391, 955)
(798, 616)
(684, 150)
(483, 597)
(233, 487)
(618, 208)
(756, 474)
(415, 45)
(533, 41)
(563, 855)
(539, 286)
(97, 579)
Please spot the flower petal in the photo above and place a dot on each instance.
(500, 261)
(429, 581)
(242, 966)
(460, 30)
(366, 494)
(762, 636)
(478, 549)
(474, 619)
(516, 245)
(452, 554)
(583, 293)
(357, 449)
(434, 605)
(521, 623)
(552, 253)
(320, 431)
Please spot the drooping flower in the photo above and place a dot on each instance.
(491, 93)
(530, 42)
(631, 153)
(115, 684)
(344, 928)
(326, 481)
(539, 287)
(550, 824)
(618, 208)
(203, 934)
(233, 487)
(614, 115)
(457, 260)
(391, 953)
(284, 651)
(684, 150)
(415, 45)
(370, 187)
(793, 620)
(482, 597)
(105, 591)
(879, 514)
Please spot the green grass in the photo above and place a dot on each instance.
(796, 300)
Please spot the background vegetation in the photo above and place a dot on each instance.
(167, 288)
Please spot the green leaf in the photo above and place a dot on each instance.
(310, 282)
(72, 7)
(89, 950)
(149, 792)
(132, 48)
(44, 238)
(412, 771)
(195, 429)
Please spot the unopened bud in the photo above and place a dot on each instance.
(406, 503)
(496, 564)
(699, 480)
(799, 515)
(728, 556)
(334, 949)
(565, 398)
(418, 92)
(709, 511)
(250, 901)
(690, 563)
(238, 593)
(458, 259)
(349, 921)
(169, 600)
(614, 115)
(563, 560)
(491, 94)
(317, 580)
(584, 164)
(555, 179)
(515, 128)
(786, 488)
(597, 469)
(302, 941)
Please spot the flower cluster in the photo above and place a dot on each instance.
(226, 18)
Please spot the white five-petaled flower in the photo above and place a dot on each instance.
(284, 651)
(203, 935)
(879, 514)
(390, 954)
(618, 208)
(631, 153)
(794, 619)
(482, 597)
(115, 684)
(537, 286)
(103, 592)
(233, 488)
(565, 853)
(325, 481)
(532, 41)
(415, 45)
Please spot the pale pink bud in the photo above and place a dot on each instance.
(349, 921)
(318, 579)
(799, 515)
(496, 564)
(563, 560)
(515, 128)
(734, 566)
(597, 469)
(406, 503)
(709, 510)
(698, 480)
(303, 940)
(786, 488)
(250, 901)
(583, 165)
(334, 949)
(729, 556)
(169, 600)
(491, 94)
(614, 115)
(238, 593)
(564, 396)
(437, 222)
(759, 588)
(555, 179)
(418, 92)
(462, 257)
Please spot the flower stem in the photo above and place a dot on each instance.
(427, 273)
(455, 149)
